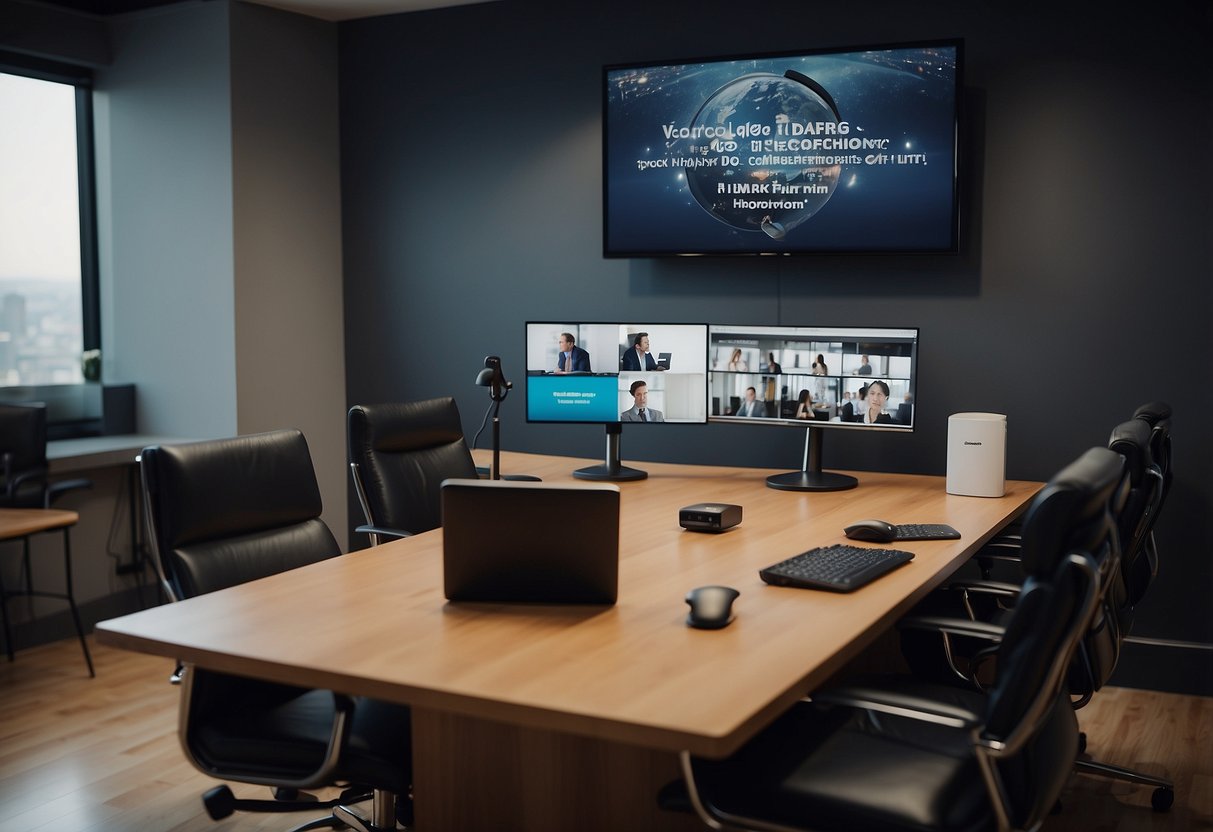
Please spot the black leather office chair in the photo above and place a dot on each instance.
(899, 754)
(1158, 416)
(399, 455)
(26, 484)
(233, 510)
(1135, 508)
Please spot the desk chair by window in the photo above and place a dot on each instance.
(25, 485)
(399, 455)
(224, 512)
(896, 753)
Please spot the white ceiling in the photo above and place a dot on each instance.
(350, 9)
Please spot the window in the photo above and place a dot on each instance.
(48, 307)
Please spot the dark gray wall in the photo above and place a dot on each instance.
(471, 192)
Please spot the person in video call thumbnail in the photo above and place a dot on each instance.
(751, 406)
(639, 357)
(876, 398)
(865, 366)
(640, 410)
(804, 406)
(572, 358)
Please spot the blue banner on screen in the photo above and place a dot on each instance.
(840, 151)
(572, 398)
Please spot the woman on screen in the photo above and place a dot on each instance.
(737, 364)
(804, 406)
(819, 366)
(876, 398)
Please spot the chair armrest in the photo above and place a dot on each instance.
(898, 703)
(383, 530)
(999, 588)
(57, 489)
(31, 475)
(953, 626)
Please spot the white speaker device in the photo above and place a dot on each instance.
(977, 454)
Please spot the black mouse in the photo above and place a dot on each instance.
(711, 607)
(875, 530)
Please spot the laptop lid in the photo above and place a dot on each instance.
(530, 542)
(663, 359)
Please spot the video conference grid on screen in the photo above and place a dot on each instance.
(836, 376)
(601, 373)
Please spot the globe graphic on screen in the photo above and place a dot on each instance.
(770, 198)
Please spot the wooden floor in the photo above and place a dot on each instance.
(102, 754)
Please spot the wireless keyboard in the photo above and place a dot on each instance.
(839, 568)
(926, 531)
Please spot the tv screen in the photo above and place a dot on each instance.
(615, 373)
(844, 377)
(830, 151)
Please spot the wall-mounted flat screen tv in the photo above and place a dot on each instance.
(851, 150)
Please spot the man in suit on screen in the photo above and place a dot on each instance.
(638, 357)
(640, 410)
(572, 358)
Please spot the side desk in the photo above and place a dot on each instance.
(90, 453)
(554, 718)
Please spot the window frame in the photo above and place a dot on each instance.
(65, 416)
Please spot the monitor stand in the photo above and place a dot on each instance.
(810, 477)
(611, 469)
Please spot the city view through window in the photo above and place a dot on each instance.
(41, 323)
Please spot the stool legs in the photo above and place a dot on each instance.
(71, 599)
(29, 591)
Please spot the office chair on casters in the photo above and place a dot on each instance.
(1135, 506)
(224, 512)
(26, 484)
(895, 753)
(399, 455)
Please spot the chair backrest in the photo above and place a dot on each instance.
(1133, 441)
(227, 511)
(399, 455)
(1067, 531)
(23, 455)
(1158, 416)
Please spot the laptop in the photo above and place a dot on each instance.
(530, 542)
(663, 360)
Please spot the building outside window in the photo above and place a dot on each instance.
(45, 271)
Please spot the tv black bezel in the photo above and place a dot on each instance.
(957, 156)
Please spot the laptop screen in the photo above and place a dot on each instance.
(530, 542)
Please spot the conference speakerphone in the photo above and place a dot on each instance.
(709, 517)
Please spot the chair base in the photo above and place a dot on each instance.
(221, 803)
(1164, 792)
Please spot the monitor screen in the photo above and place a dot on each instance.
(844, 377)
(851, 150)
(608, 373)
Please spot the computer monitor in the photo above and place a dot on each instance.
(817, 377)
(647, 374)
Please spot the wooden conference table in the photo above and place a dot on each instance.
(559, 718)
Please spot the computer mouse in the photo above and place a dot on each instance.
(711, 607)
(875, 530)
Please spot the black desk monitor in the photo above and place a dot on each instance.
(824, 378)
(632, 382)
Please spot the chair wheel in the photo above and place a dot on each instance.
(219, 802)
(285, 794)
(1162, 798)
